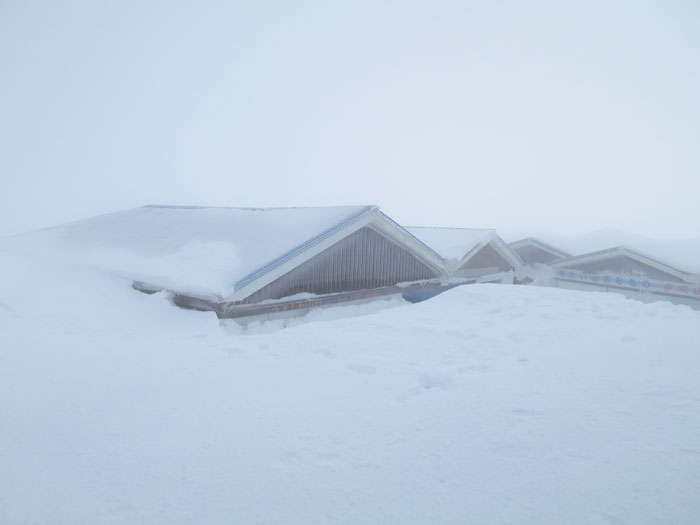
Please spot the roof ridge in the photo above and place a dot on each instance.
(252, 208)
(451, 228)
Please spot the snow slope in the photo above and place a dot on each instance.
(194, 249)
(486, 404)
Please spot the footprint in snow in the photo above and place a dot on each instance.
(605, 519)
(516, 337)
(362, 369)
(6, 308)
(426, 382)
(325, 353)
(435, 381)
(470, 369)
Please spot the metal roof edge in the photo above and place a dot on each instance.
(507, 251)
(476, 249)
(402, 228)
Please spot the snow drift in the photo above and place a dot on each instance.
(486, 404)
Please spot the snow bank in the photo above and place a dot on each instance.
(487, 404)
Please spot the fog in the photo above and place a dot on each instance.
(519, 116)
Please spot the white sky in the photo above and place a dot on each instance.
(529, 116)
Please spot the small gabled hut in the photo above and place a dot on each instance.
(534, 251)
(269, 261)
(627, 271)
(479, 254)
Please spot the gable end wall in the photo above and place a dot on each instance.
(624, 265)
(487, 257)
(364, 260)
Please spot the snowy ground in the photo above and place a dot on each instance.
(487, 404)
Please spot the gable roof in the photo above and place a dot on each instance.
(373, 217)
(458, 245)
(224, 252)
(534, 242)
(627, 252)
(683, 254)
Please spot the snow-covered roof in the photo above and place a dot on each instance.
(205, 251)
(458, 245)
(532, 241)
(199, 249)
(452, 243)
(627, 252)
(683, 254)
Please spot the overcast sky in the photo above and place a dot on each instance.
(564, 116)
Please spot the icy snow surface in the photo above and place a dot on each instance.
(452, 243)
(487, 404)
(201, 250)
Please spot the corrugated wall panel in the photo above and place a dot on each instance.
(366, 259)
(487, 257)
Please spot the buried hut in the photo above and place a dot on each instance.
(534, 251)
(627, 271)
(470, 254)
(263, 263)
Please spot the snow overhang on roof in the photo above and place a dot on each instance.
(200, 250)
(627, 252)
(217, 253)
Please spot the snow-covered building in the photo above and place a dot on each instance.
(627, 271)
(242, 262)
(470, 253)
(534, 251)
